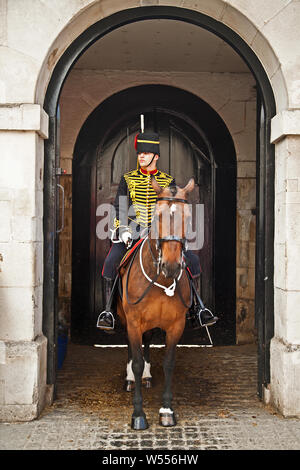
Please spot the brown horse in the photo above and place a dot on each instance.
(156, 294)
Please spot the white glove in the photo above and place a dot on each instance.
(126, 237)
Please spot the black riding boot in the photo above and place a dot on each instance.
(198, 314)
(106, 320)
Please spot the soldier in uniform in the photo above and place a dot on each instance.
(135, 187)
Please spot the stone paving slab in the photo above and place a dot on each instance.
(215, 402)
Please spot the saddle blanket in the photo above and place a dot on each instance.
(129, 253)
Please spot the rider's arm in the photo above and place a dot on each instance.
(121, 209)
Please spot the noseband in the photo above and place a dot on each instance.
(172, 199)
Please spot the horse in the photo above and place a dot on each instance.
(156, 293)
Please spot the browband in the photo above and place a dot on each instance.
(173, 199)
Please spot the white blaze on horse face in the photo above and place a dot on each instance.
(172, 208)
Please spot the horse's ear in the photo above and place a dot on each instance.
(158, 189)
(190, 186)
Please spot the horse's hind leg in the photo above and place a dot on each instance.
(147, 378)
(129, 381)
(139, 421)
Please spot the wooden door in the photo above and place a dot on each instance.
(186, 150)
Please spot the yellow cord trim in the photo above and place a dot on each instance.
(148, 141)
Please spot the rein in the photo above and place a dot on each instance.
(148, 287)
(168, 290)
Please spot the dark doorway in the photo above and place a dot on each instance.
(194, 142)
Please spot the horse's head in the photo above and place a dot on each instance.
(169, 226)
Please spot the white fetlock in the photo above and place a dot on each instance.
(166, 410)
(130, 374)
(146, 373)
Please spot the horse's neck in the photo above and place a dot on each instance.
(148, 261)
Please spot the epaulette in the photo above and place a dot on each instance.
(131, 173)
(165, 175)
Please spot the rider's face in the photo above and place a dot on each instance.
(145, 158)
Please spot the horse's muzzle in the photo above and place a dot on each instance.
(171, 270)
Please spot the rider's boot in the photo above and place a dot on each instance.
(106, 320)
(198, 315)
(205, 317)
(201, 316)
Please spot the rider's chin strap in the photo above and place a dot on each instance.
(137, 163)
(151, 160)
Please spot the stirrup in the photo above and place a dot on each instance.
(101, 327)
(213, 318)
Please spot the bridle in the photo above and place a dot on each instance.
(169, 238)
(157, 261)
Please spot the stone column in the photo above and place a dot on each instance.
(23, 348)
(285, 346)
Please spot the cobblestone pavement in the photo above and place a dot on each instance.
(215, 403)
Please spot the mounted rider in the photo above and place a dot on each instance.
(136, 190)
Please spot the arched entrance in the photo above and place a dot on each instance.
(265, 197)
(194, 142)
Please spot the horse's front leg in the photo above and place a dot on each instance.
(139, 420)
(166, 413)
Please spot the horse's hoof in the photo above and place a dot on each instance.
(167, 419)
(129, 385)
(139, 423)
(147, 382)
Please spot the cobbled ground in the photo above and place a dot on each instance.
(214, 398)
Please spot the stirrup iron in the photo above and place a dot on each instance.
(101, 327)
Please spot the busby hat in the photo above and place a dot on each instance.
(147, 142)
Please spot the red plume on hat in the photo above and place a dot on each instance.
(135, 141)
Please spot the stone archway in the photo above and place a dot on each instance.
(36, 65)
(266, 193)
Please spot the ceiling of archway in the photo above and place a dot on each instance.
(162, 45)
